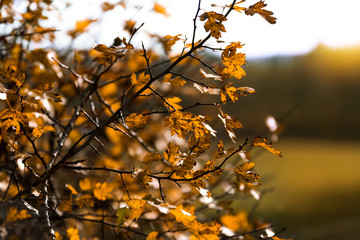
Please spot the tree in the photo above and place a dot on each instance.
(101, 145)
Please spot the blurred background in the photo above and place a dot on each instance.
(306, 72)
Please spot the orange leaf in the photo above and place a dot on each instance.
(102, 191)
(14, 215)
(160, 9)
(258, 8)
(38, 131)
(264, 144)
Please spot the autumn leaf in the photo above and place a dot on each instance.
(152, 157)
(236, 7)
(208, 75)
(72, 234)
(160, 9)
(213, 23)
(129, 26)
(152, 236)
(175, 82)
(122, 214)
(233, 65)
(140, 80)
(264, 144)
(143, 178)
(39, 131)
(183, 215)
(135, 120)
(136, 208)
(230, 124)
(258, 8)
(85, 184)
(72, 189)
(14, 215)
(102, 191)
(172, 103)
(80, 27)
(238, 222)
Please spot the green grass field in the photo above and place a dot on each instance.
(314, 191)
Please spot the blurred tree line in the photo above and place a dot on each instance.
(316, 94)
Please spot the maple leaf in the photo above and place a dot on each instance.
(183, 215)
(231, 49)
(213, 23)
(175, 82)
(172, 103)
(258, 8)
(143, 178)
(171, 153)
(141, 80)
(39, 131)
(85, 184)
(264, 144)
(102, 190)
(207, 90)
(136, 208)
(233, 65)
(14, 215)
(244, 173)
(135, 120)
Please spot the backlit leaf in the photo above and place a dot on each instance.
(264, 144)
(258, 8)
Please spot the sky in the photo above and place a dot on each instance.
(301, 24)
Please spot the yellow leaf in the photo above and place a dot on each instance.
(233, 65)
(72, 234)
(136, 208)
(135, 120)
(264, 144)
(102, 191)
(58, 236)
(160, 9)
(142, 79)
(172, 103)
(38, 131)
(175, 82)
(213, 23)
(14, 215)
(85, 184)
(152, 236)
(236, 223)
(183, 215)
(258, 8)
(72, 189)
